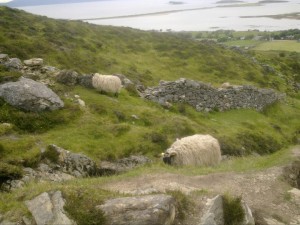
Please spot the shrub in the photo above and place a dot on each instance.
(233, 210)
(81, 207)
(8, 172)
(183, 203)
(258, 142)
(37, 122)
(51, 154)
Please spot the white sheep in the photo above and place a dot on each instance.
(197, 150)
(107, 83)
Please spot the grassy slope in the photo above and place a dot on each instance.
(105, 128)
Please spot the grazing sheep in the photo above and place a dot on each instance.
(200, 150)
(107, 83)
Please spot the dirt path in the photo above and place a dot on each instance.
(264, 191)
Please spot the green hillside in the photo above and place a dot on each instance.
(109, 128)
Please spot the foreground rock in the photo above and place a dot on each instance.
(30, 95)
(292, 173)
(203, 97)
(48, 209)
(214, 214)
(145, 210)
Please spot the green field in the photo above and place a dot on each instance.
(284, 45)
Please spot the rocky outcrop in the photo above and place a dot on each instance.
(30, 95)
(110, 168)
(75, 164)
(68, 77)
(144, 210)
(48, 209)
(204, 97)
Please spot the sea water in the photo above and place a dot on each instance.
(186, 15)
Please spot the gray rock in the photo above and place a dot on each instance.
(295, 193)
(48, 209)
(3, 58)
(30, 95)
(292, 173)
(214, 214)
(249, 219)
(68, 77)
(144, 210)
(35, 62)
(86, 81)
(122, 165)
(77, 165)
(203, 97)
(14, 64)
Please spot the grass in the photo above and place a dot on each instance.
(280, 45)
(233, 210)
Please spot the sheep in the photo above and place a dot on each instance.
(107, 83)
(196, 150)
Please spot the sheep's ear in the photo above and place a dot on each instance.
(172, 153)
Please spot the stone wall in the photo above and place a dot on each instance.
(204, 97)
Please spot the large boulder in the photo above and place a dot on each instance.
(68, 77)
(30, 95)
(48, 209)
(144, 210)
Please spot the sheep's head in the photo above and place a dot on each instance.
(169, 157)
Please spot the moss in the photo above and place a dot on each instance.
(233, 210)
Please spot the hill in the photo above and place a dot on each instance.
(110, 128)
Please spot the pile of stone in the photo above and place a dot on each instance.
(204, 97)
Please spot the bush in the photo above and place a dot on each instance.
(9, 172)
(183, 203)
(37, 121)
(51, 154)
(81, 207)
(233, 210)
(258, 142)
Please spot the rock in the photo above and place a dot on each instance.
(81, 102)
(295, 193)
(77, 165)
(30, 95)
(68, 77)
(110, 168)
(144, 210)
(271, 221)
(291, 173)
(27, 221)
(249, 219)
(48, 209)
(3, 58)
(204, 97)
(86, 81)
(214, 214)
(14, 64)
(35, 62)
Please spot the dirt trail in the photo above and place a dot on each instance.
(264, 191)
